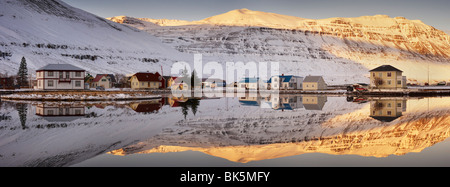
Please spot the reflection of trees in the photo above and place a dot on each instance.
(192, 103)
(377, 106)
(22, 109)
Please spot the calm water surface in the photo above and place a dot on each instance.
(289, 130)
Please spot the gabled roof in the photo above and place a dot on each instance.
(146, 76)
(312, 79)
(284, 78)
(99, 76)
(385, 68)
(60, 67)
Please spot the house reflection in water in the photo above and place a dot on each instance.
(286, 102)
(250, 99)
(387, 109)
(150, 106)
(60, 112)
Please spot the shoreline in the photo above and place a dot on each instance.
(120, 95)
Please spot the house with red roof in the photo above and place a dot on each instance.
(103, 80)
(147, 80)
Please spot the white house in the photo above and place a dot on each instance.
(250, 83)
(285, 82)
(60, 77)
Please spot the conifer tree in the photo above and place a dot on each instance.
(22, 74)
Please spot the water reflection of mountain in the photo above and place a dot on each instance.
(387, 109)
(285, 102)
(268, 135)
(235, 132)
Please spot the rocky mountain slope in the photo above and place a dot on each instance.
(50, 31)
(347, 46)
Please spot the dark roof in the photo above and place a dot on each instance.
(141, 76)
(386, 68)
(60, 67)
(384, 118)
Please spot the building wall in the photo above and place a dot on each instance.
(387, 108)
(135, 84)
(52, 80)
(310, 86)
(391, 79)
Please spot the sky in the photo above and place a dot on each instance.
(432, 12)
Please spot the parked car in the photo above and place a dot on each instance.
(100, 88)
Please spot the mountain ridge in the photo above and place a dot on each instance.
(365, 42)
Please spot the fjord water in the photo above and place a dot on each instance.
(289, 130)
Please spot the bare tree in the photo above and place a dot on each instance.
(378, 81)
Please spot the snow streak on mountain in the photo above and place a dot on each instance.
(50, 31)
(342, 49)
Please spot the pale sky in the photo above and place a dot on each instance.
(432, 12)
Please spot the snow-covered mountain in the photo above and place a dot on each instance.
(51, 31)
(341, 49)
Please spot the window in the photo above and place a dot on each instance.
(50, 112)
(399, 105)
(389, 74)
(373, 74)
(389, 82)
(61, 75)
(399, 82)
(380, 74)
(103, 80)
(389, 113)
(142, 84)
(50, 73)
(77, 83)
(50, 83)
(67, 75)
(78, 74)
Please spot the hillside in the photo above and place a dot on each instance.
(50, 31)
(349, 47)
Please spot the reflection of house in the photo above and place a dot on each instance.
(250, 100)
(387, 110)
(103, 80)
(387, 77)
(285, 102)
(250, 83)
(314, 83)
(146, 80)
(314, 102)
(147, 106)
(60, 76)
(60, 112)
(180, 83)
(285, 82)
